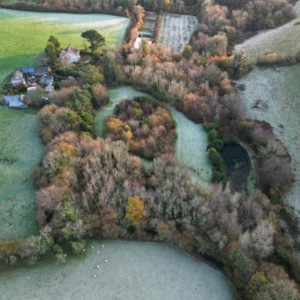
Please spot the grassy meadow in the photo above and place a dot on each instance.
(23, 35)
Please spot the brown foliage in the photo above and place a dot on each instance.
(147, 128)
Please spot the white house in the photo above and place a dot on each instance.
(18, 79)
(69, 55)
(137, 43)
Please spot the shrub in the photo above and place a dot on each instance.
(241, 261)
(290, 260)
(219, 171)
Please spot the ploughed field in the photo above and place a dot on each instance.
(20, 152)
(23, 35)
(176, 30)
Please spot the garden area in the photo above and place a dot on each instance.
(176, 31)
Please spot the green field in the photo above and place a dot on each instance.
(23, 35)
(20, 152)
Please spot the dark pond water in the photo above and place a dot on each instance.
(238, 165)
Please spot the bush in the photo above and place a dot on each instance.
(291, 261)
(241, 261)
(219, 173)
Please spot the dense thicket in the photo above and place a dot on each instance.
(95, 188)
(146, 127)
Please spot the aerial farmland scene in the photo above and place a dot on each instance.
(149, 149)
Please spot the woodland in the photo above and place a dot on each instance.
(130, 184)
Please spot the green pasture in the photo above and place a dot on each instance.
(23, 35)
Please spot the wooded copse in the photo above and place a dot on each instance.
(145, 126)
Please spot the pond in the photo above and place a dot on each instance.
(20, 153)
(118, 270)
(191, 141)
(238, 165)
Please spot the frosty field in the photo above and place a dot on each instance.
(20, 152)
(279, 89)
(134, 270)
(282, 39)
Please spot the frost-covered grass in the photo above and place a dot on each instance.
(191, 146)
(176, 31)
(284, 39)
(133, 270)
(23, 35)
(20, 152)
(116, 95)
(279, 88)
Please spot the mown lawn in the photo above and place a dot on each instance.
(23, 35)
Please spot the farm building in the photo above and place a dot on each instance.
(39, 71)
(18, 79)
(15, 101)
(137, 43)
(69, 55)
(46, 79)
(49, 88)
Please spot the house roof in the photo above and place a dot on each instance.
(15, 101)
(28, 70)
(17, 75)
(49, 88)
(46, 79)
(70, 54)
(71, 50)
(39, 71)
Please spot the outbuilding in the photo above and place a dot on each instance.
(15, 101)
